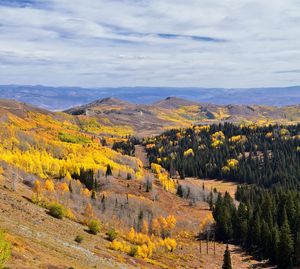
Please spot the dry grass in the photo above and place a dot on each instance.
(211, 184)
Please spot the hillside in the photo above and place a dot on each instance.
(61, 98)
(58, 163)
(176, 112)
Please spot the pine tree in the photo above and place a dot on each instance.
(227, 259)
(108, 171)
(285, 247)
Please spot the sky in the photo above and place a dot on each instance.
(112, 43)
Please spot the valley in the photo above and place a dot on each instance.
(154, 209)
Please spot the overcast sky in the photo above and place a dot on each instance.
(202, 43)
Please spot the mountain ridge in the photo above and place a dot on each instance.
(62, 98)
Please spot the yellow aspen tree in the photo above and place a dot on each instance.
(131, 235)
(155, 227)
(86, 193)
(68, 176)
(37, 189)
(63, 187)
(88, 213)
(49, 185)
(145, 228)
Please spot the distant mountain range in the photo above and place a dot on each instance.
(61, 98)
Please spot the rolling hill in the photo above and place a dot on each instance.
(148, 119)
(61, 98)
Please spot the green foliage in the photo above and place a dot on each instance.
(5, 249)
(133, 251)
(94, 226)
(266, 221)
(79, 239)
(252, 156)
(285, 247)
(125, 147)
(111, 234)
(57, 210)
(75, 139)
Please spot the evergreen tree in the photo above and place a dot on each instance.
(227, 259)
(108, 171)
(285, 247)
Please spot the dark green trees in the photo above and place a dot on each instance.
(266, 218)
(285, 247)
(227, 259)
(264, 156)
(108, 171)
(265, 230)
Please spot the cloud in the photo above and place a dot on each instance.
(205, 43)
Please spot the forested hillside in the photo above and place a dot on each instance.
(265, 160)
(246, 154)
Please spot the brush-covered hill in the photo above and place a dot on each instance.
(177, 112)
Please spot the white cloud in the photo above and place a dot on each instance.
(208, 43)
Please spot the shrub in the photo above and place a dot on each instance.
(79, 239)
(111, 235)
(133, 251)
(57, 210)
(5, 249)
(94, 226)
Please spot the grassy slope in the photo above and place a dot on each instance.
(40, 241)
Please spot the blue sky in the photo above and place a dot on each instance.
(202, 43)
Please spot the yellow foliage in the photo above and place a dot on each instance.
(49, 185)
(38, 145)
(68, 176)
(216, 143)
(70, 215)
(201, 128)
(145, 250)
(163, 177)
(269, 135)
(88, 213)
(188, 152)
(169, 244)
(145, 228)
(86, 193)
(37, 188)
(120, 246)
(218, 136)
(163, 226)
(217, 139)
(206, 222)
(156, 227)
(232, 163)
(225, 169)
(156, 168)
(63, 187)
(238, 139)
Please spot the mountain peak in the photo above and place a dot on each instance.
(108, 101)
(174, 102)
